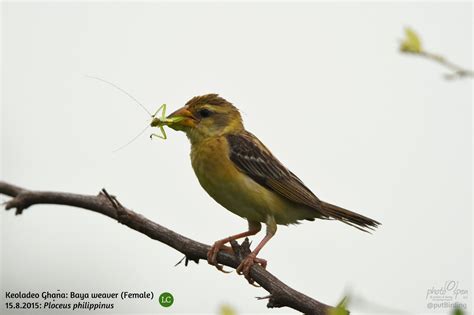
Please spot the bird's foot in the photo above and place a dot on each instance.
(212, 254)
(246, 265)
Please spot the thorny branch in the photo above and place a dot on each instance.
(280, 295)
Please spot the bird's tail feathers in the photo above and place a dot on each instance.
(351, 218)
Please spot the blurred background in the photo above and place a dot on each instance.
(323, 85)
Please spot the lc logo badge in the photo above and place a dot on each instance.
(166, 299)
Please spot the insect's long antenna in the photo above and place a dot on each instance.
(123, 91)
(131, 140)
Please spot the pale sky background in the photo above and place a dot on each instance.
(322, 85)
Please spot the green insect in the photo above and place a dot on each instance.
(159, 121)
(162, 121)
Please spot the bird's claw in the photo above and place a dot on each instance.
(246, 265)
(221, 268)
(242, 269)
(212, 255)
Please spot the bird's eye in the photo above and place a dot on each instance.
(205, 113)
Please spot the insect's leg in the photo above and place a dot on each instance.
(163, 129)
(158, 110)
(163, 115)
(162, 136)
(154, 135)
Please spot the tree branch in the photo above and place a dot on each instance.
(281, 295)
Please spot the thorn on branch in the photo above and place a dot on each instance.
(122, 213)
(181, 260)
(113, 200)
(187, 259)
(263, 297)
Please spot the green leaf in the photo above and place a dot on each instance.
(226, 309)
(411, 43)
(458, 311)
(340, 308)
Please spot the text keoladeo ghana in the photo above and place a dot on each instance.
(47, 295)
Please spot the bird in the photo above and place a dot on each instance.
(241, 174)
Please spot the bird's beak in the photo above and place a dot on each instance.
(183, 117)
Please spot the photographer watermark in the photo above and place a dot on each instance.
(448, 295)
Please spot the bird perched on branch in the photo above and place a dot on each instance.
(242, 175)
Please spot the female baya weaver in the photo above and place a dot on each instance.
(242, 175)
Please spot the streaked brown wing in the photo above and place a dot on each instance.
(254, 159)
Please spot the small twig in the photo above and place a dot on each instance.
(411, 44)
(458, 71)
(281, 295)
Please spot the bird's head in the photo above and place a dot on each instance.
(207, 116)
